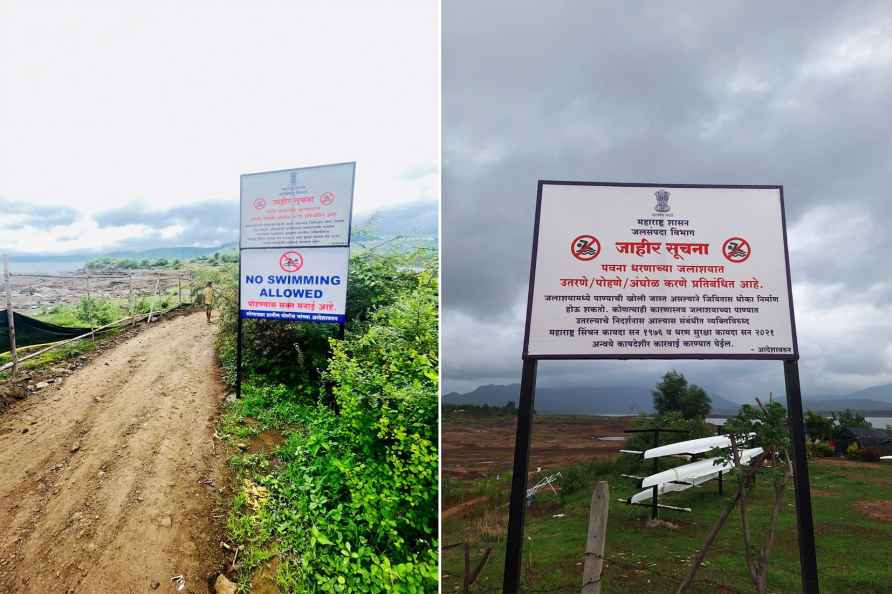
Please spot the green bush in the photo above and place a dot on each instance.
(296, 353)
(97, 312)
(354, 506)
(852, 452)
(824, 450)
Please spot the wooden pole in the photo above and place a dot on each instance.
(179, 289)
(597, 537)
(10, 315)
(467, 580)
(90, 308)
(154, 297)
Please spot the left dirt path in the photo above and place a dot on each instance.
(112, 482)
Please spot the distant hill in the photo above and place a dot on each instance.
(882, 393)
(579, 400)
(873, 399)
(834, 404)
(180, 252)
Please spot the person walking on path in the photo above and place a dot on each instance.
(209, 299)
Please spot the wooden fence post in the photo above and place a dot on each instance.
(10, 315)
(154, 298)
(467, 581)
(597, 535)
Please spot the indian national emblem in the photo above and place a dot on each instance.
(662, 201)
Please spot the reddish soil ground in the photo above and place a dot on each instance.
(475, 447)
(112, 480)
(876, 510)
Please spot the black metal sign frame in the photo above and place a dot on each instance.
(804, 519)
(771, 356)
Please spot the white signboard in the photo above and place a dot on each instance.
(301, 285)
(310, 206)
(645, 271)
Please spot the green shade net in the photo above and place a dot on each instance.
(30, 331)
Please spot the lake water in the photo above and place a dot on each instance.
(877, 422)
(45, 266)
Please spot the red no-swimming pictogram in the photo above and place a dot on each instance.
(585, 247)
(291, 261)
(736, 250)
(327, 198)
(260, 203)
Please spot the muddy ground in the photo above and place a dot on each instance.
(475, 447)
(36, 294)
(113, 481)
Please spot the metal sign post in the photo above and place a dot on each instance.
(804, 521)
(518, 504)
(659, 271)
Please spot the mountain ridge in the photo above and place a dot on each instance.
(637, 398)
(577, 399)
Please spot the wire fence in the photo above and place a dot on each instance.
(139, 295)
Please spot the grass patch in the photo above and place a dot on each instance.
(55, 356)
(644, 560)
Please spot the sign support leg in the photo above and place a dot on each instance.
(238, 334)
(514, 546)
(238, 358)
(804, 521)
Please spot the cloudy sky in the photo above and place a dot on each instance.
(697, 92)
(127, 124)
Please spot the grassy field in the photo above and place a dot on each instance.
(853, 518)
(88, 312)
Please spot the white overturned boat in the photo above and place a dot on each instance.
(664, 488)
(691, 446)
(698, 472)
(885, 457)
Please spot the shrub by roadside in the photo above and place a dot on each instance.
(349, 503)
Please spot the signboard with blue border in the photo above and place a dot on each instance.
(294, 284)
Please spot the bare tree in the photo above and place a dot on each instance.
(769, 426)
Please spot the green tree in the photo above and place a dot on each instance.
(674, 393)
(818, 427)
(848, 419)
(772, 434)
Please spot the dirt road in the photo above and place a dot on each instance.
(111, 482)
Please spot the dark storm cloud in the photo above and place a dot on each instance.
(14, 214)
(209, 222)
(207, 214)
(687, 93)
